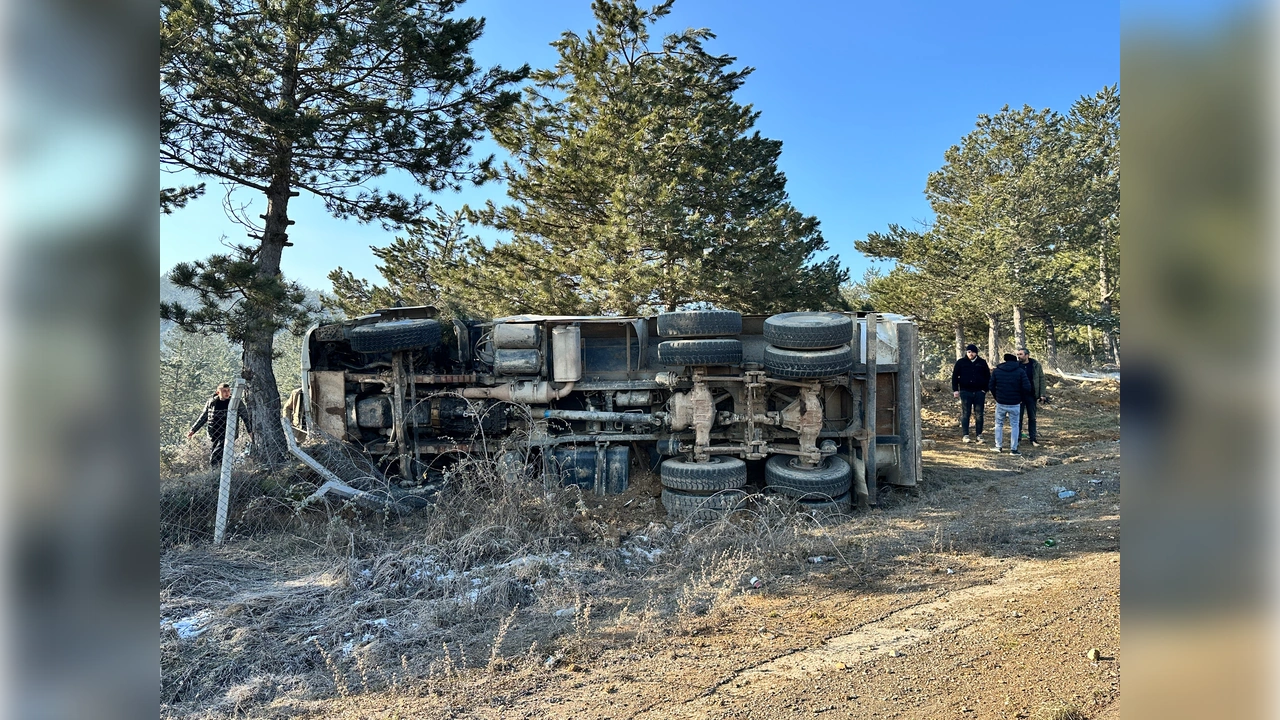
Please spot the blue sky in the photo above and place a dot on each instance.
(866, 98)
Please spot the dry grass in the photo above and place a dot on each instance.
(504, 577)
(1079, 411)
(1061, 712)
(500, 574)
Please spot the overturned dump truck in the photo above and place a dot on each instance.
(821, 407)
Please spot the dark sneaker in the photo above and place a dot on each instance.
(1014, 451)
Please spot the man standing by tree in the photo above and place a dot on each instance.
(1035, 374)
(969, 380)
(215, 415)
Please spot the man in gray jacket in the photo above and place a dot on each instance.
(1035, 373)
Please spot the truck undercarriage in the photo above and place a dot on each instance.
(830, 407)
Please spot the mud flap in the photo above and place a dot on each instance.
(859, 477)
(889, 466)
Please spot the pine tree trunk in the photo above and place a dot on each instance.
(993, 338)
(1093, 351)
(1104, 282)
(263, 402)
(269, 445)
(959, 340)
(1104, 304)
(1050, 343)
(1019, 328)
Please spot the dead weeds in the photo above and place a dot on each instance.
(506, 579)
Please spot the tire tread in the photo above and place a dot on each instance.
(701, 508)
(699, 323)
(799, 365)
(395, 335)
(829, 480)
(789, 331)
(727, 473)
(717, 351)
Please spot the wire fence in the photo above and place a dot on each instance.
(195, 493)
(328, 476)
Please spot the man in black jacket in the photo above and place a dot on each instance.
(969, 379)
(215, 415)
(1009, 386)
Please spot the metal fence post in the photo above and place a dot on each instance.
(228, 451)
(869, 407)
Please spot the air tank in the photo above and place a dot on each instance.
(517, 362)
(566, 353)
(633, 398)
(516, 336)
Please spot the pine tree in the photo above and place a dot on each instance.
(419, 269)
(278, 97)
(1003, 195)
(638, 184)
(934, 278)
(1094, 123)
(1026, 229)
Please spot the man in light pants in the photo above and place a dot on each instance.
(1009, 386)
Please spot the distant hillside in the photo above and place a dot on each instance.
(171, 293)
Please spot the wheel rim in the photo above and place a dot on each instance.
(793, 463)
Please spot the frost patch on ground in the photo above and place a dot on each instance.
(190, 626)
(432, 577)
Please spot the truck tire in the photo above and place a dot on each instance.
(802, 364)
(829, 480)
(719, 473)
(395, 335)
(699, 323)
(808, 330)
(701, 508)
(718, 351)
(841, 505)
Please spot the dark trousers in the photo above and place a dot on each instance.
(1029, 412)
(971, 400)
(215, 453)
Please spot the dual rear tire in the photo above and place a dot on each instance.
(710, 490)
(829, 480)
(808, 330)
(699, 323)
(808, 345)
(710, 328)
(704, 491)
(717, 351)
(808, 364)
(822, 491)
